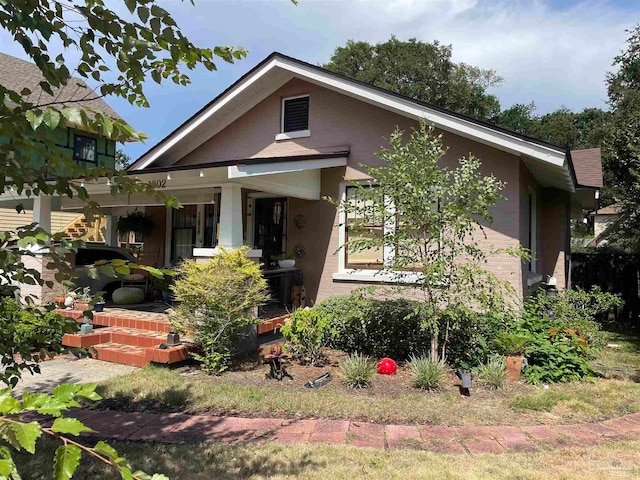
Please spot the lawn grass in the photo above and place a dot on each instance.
(318, 462)
(162, 389)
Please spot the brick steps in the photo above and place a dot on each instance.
(130, 340)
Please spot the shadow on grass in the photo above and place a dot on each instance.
(169, 399)
(188, 462)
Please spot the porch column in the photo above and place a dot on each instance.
(110, 234)
(42, 212)
(231, 216)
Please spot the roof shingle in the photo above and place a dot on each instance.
(17, 74)
(587, 164)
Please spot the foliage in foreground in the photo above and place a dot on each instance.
(19, 434)
(217, 302)
(29, 335)
(427, 373)
(305, 331)
(357, 370)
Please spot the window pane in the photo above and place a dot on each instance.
(84, 149)
(371, 257)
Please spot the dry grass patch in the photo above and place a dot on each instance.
(621, 460)
(389, 400)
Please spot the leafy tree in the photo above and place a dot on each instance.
(622, 151)
(117, 54)
(517, 118)
(420, 70)
(430, 216)
(122, 160)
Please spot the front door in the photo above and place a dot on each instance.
(270, 227)
(183, 232)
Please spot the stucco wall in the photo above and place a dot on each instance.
(555, 209)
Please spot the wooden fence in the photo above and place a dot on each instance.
(612, 272)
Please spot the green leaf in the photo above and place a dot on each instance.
(66, 461)
(106, 449)
(34, 118)
(51, 118)
(26, 434)
(131, 5)
(9, 405)
(143, 13)
(72, 426)
(72, 115)
(66, 391)
(88, 391)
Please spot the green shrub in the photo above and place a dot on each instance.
(565, 333)
(306, 331)
(574, 309)
(29, 335)
(512, 343)
(560, 355)
(379, 328)
(427, 374)
(357, 370)
(471, 337)
(493, 374)
(217, 302)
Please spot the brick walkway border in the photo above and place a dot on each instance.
(181, 428)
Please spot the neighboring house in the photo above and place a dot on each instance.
(85, 148)
(253, 165)
(602, 220)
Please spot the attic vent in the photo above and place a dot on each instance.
(295, 114)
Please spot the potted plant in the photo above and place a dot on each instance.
(512, 345)
(286, 260)
(59, 297)
(83, 298)
(98, 306)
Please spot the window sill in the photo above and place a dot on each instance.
(293, 135)
(375, 276)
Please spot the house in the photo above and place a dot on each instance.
(604, 218)
(253, 165)
(84, 147)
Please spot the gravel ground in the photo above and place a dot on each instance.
(69, 369)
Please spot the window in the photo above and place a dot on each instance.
(85, 149)
(371, 258)
(295, 114)
(212, 222)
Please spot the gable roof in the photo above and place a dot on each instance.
(17, 74)
(588, 166)
(545, 160)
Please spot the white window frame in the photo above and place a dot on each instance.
(295, 134)
(345, 274)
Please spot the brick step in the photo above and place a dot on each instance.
(138, 356)
(122, 335)
(123, 354)
(107, 319)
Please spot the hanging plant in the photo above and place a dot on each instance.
(136, 222)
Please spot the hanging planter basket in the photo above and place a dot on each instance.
(136, 222)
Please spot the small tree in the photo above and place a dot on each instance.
(218, 300)
(430, 216)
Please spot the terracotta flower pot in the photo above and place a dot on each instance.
(59, 301)
(82, 306)
(514, 365)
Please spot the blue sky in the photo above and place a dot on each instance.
(551, 52)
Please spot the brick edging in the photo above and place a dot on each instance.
(182, 428)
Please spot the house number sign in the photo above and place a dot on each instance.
(159, 183)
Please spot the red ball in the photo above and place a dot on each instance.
(386, 366)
